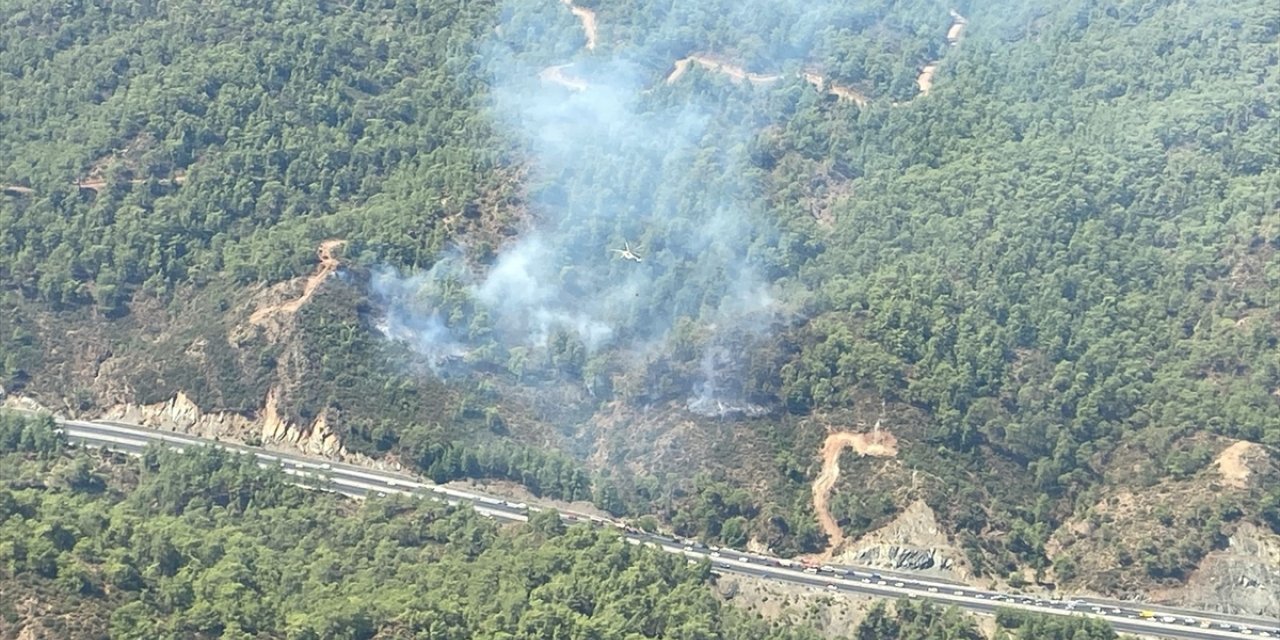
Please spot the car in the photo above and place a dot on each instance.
(933, 589)
(897, 584)
(715, 554)
(880, 582)
(810, 570)
(957, 592)
(688, 548)
(831, 586)
(867, 580)
(743, 559)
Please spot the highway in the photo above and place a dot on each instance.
(360, 482)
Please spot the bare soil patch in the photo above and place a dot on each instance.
(1234, 463)
(833, 615)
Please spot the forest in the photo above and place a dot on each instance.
(207, 544)
(1056, 271)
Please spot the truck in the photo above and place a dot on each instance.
(1146, 615)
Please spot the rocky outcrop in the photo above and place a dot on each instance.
(908, 558)
(913, 541)
(181, 415)
(1243, 578)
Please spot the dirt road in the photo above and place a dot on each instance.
(925, 80)
(588, 19)
(328, 265)
(93, 184)
(844, 93)
(735, 72)
(877, 443)
(557, 75)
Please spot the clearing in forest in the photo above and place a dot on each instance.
(877, 443)
(328, 265)
(1234, 463)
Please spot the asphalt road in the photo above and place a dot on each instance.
(362, 482)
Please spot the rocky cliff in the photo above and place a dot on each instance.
(181, 415)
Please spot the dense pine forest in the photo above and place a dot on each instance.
(1050, 272)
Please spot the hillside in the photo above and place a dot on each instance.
(209, 545)
(673, 257)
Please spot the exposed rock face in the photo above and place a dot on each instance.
(913, 541)
(900, 557)
(180, 414)
(1242, 579)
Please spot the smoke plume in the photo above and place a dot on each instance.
(620, 162)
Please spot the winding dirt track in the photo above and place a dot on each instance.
(925, 80)
(735, 72)
(844, 93)
(95, 185)
(877, 443)
(329, 263)
(557, 75)
(588, 18)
